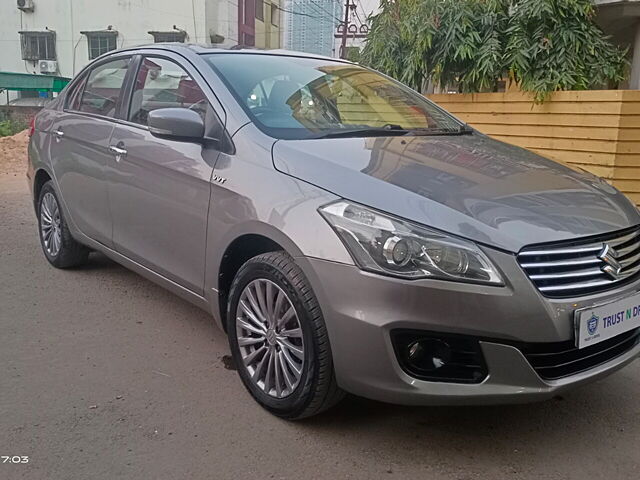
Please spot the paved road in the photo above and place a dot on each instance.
(107, 376)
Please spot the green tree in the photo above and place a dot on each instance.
(543, 45)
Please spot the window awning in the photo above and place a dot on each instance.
(99, 33)
(170, 36)
(33, 82)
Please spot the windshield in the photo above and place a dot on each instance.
(298, 98)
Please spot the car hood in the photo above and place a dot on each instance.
(468, 185)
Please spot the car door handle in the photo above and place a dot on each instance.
(59, 134)
(119, 152)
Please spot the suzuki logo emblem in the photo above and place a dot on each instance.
(609, 256)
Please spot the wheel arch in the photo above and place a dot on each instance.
(242, 247)
(39, 179)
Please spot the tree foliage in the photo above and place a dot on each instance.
(543, 45)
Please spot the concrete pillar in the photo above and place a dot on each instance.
(634, 81)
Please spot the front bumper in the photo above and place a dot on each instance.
(361, 310)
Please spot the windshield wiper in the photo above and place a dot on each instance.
(393, 130)
(387, 130)
(461, 130)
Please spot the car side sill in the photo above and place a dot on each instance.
(145, 272)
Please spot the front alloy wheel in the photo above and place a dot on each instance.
(278, 338)
(270, 338)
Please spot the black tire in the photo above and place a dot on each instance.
(71, 253)
(317, 389)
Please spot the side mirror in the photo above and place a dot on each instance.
(176, 124)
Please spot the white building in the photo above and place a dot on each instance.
(59, 37)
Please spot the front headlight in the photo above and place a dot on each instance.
(391, 246)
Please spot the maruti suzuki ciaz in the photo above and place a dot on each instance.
(346, 233)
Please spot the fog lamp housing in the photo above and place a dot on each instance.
(439, 357)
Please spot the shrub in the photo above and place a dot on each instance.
(542, 45)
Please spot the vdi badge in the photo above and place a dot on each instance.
(592, 324)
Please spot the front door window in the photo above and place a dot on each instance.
(162, 83)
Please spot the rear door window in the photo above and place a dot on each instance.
(162, 83)
(104, 87)
(74, 96)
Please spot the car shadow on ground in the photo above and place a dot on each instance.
(363, 423)
(99, 261)
(522, 435)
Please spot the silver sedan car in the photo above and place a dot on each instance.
(346, 233)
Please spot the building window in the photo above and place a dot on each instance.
(101, 42)
(260, 10)
(38, 45)
(176, 36)
(275, 15)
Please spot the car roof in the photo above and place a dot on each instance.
(201, 49)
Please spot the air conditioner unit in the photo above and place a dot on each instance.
(48, 66)
(25, 5)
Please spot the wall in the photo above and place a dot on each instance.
(598, 130)
(131, 18)
(222, 19)
(276, 31)
(18, 113)
(267, 34)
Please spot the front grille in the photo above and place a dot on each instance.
(570, 269)
(556, 360)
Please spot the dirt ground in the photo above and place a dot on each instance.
(13, 154)
(105, 375)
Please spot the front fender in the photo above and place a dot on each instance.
(285, 212)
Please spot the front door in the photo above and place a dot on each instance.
(80, 148)
(160, 189)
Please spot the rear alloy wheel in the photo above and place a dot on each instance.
(50, 224)
(279, 340)
(60, 248)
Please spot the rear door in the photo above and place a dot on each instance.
(160, 189)
(80, 153)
